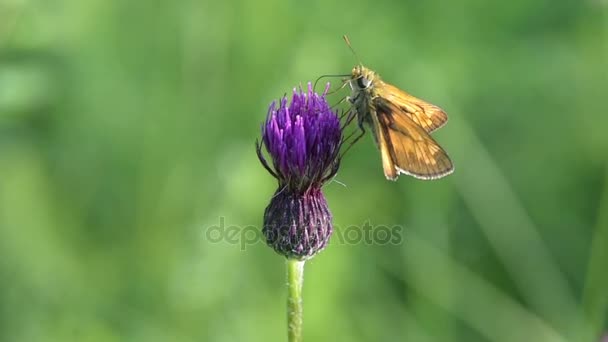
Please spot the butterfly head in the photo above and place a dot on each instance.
(362, 77)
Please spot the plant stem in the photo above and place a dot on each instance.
(295, 279)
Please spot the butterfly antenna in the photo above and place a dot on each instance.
(351, 48)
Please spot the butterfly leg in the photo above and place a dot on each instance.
(362, 133)
(349, 118)
(338, 103)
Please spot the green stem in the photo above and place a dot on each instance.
(295, 279)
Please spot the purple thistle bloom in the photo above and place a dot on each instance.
(303, 139)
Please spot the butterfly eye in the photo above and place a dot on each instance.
(363, 82)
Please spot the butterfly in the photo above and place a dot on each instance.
(401, 125)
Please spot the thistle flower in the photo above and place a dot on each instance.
(303, 140)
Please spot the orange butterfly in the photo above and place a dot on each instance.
(401, 125)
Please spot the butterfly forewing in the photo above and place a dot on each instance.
(408, 145)
(426, 115)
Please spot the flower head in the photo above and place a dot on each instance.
(303, 139)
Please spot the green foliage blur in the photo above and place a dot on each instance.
(127, 134)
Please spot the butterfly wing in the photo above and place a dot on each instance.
(405, 146)
(426, 115)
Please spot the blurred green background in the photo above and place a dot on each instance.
(127, 130)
